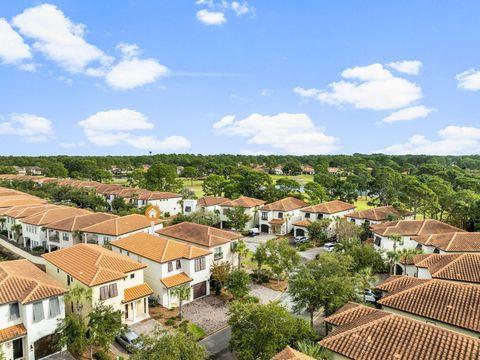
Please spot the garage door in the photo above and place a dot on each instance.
(199, 290)
(44, 347)
(300, 232)
(264, 228)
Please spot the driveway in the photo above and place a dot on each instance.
(253, 242)
(210, 313)
(310, 254)
(145, 327)
(264, 294)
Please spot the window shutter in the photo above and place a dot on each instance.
(38, 314)
(54, 307)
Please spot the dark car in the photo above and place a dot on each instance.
(128, 340)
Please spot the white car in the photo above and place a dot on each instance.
(329, 246)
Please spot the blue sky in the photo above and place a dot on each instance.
(256, 77)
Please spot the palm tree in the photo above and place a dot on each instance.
(406, 255)
(182, 292)
(313, 349)
(393, 257)
(2, 223)
(77, 295)
(77, 234)
(241, 249)
(365, 279)
(17, 230)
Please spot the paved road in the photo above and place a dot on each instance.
(218, 344)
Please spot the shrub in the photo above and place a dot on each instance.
(101, 355)
(170, 322)
(302, 247)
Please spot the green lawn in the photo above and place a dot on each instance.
(302, 179)
(197, 332)
(361, 204)
(195, 186)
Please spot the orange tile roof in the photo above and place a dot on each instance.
(22, 281)
(445, 301)
(24, 200)
(12, 332)
(413, 228)
(199, 234)
(452, 241)
(348, 313)
(52, 215)
(136, 292)
(381, 213)
(291, 354)
(211, 200)
(22, 211)
(157, 195)
(244, 201)
(97, 266)
(174, 280)
(120, 225)
(78, 222)
(395, 282)
(286, 204)
(455, 267)
(329, 207)
(277, 221)
(157, 248)
(382, 335)
(302, 223)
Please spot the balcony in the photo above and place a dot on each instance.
(54, 239)
(218, 256)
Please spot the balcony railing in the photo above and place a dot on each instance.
(54, 239)
(218, 256)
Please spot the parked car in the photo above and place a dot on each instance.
(128, 340)
(253, 232)
(329, 246)
(300, 239)
(372, 295)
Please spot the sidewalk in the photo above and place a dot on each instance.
(34, 259)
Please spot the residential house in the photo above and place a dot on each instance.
(277, 218)
(206, 203)
(278, 170)
(31, 304)
(10, 201)
(250, 207)
(15, 214)
(169, 263)
(331, 210)
(364, 334)
(114, 279)
(68, 232)
(447, 243)
(291, 354)
(103, 233)
(333, 170)
(168, 203)
(445, 304)
(221, 243)
(33, 227)
(308, 170)
(378, 215)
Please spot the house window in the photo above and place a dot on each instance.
(200, 264)
(188, 208)
(217, 253)
(170, 267)
(38, 314)
(367, 222)
(53, 307)
(320, 216)
(225, 211)
(64, 236)
(307, 215)
(132, 276)
(264, 216)
(69, 280)
(14, 310)
(280, 215)
(352, 220)
(378, 241)
(109, 291)
(178, 264)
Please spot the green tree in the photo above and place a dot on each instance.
(162, 177)
(316, 193)
(241, 249)
(260, 256)
(406, 256)
(287, 187)
(103, 325)
(414, 193)
(136, 178)
(182, 292)
(77, 296)
(190, 172)
(317, 231)
(346, 230)
(119, 206)
(161, 345)
(16, 229)
(71, 332)
(237, 218)
(322, 283)
(292, 168)
(363, 254)
(219, 272)
(2, 223)
(282, 258)
(214, 185)
(313, 350)
(365, 279)
(237, 283)
(7, 170)
(261, 331)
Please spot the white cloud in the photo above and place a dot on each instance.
(291, 133)
(129, 50)
(370, 87)
(469, 80)
(240, 9)
(410, 113)
(453, 140)
(211, 17)
(410, 67)
(13, 49)
(113, 127)
(30, 67)
(72, 145)
(31, 128)
(131, 73)
(58, 38)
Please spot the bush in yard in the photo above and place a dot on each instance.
(237, 283)
(100, 355)
(170, 322)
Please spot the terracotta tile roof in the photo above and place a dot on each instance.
(452, 242)
(381, 336)
(174, 280)
(23, 200)
(105, 189)
(53, 215)
(97, 266)
(12, 332)
(448, 302)
(244, 201)
(211, 201)
(286, 204)
(348, 313)
(424, 260)
(136, 292)
(395, 282)
(22, 211)
(329, 207)
(78, 222)
(22, 281)
(199, 234)
(455, 267)
(157, 195)
(120, 225)
(157, 248)
(291, 354)
(378, 214)
(413, 228)
(302, 223)
(277, 221)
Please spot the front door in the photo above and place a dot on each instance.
(199, 290)
(126, 312)
(18, 348)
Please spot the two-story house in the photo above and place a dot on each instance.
(168, 202)
(277, 218)
(206, 203)
(104, 232)
(67, 232)
(31, 303)
(33, 227)
(331, 210)
(378, 215)
(15, 214)
(169, 263)
(449, 243)
(250, 207)
(463, 268)
(220, 243)
(114, 279)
